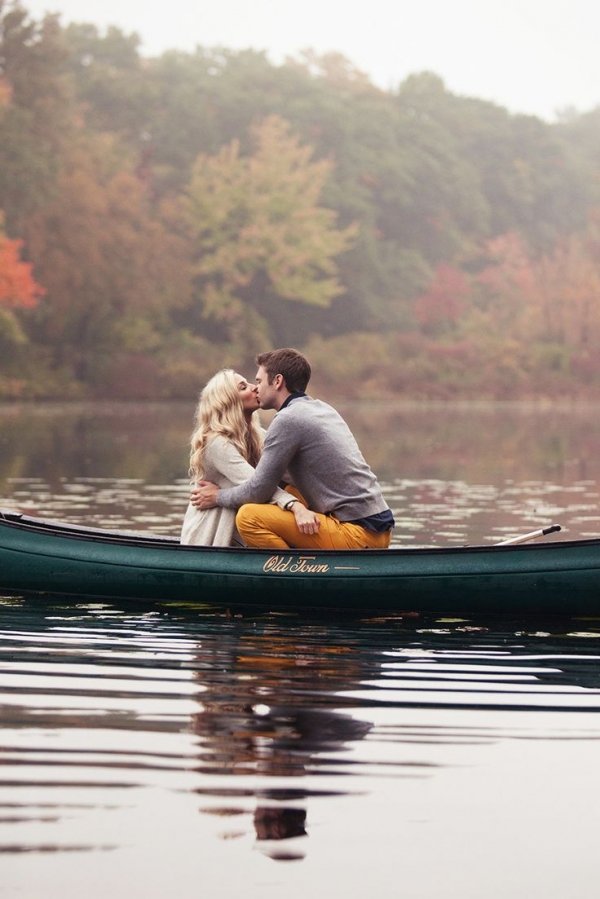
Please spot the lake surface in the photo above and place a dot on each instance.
(173, 751)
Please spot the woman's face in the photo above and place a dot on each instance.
(248, 394)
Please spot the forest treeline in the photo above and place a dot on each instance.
(163, 217)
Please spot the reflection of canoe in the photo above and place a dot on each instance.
(39, 556)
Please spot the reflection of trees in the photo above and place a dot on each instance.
(478, 442)
(103, 439)
(259, 719)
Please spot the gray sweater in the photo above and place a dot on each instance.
(312, 442)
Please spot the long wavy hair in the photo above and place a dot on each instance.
(220, 412)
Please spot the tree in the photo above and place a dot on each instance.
(569, 277)
(505, 289)
(18, 290)
(18, 287)
(439, 308)
(263, 243)
(112, 267)
(36, 112)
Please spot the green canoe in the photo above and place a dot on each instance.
(47, 557)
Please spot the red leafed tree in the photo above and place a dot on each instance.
(18, 287)
(440, 307)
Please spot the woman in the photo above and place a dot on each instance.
(225, 448)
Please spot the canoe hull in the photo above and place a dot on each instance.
(39, 557)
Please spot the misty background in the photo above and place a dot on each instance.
(411, 197)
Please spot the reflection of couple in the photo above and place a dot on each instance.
(308, 445)
(270, 726)
(285, 743)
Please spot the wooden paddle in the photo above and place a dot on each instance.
(542, 532)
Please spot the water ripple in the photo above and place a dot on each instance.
(262, 731)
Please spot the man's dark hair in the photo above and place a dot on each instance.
(290, 364)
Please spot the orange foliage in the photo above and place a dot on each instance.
(102, 249)
(18, 288)
(571, 277)
(509, 270)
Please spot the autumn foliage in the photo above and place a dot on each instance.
(18, 287)
(441, 305)
(164, 217)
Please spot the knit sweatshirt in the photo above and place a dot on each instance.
(310, 441)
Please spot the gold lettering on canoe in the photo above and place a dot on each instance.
(299, 565)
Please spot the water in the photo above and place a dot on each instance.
(173, 751)
(453, 474)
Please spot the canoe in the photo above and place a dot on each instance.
(39, 556)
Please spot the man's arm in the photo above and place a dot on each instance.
(279, 448)
(207, 495)
(229, 462)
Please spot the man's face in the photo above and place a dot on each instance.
(268, 394)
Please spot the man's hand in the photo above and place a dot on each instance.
(204, 495)
(307, 522)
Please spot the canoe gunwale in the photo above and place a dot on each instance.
(51, 527)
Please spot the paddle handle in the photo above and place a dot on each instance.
(542, 532)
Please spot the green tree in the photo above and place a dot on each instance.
(263, 243)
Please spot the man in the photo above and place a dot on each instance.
(309, 440)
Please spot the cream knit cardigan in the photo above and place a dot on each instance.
(225, 467)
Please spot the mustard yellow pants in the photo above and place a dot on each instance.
(265, 526)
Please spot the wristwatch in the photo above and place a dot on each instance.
(289, 504)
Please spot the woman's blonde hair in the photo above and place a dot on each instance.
(220, 412)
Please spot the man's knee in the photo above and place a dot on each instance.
(246, 517)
